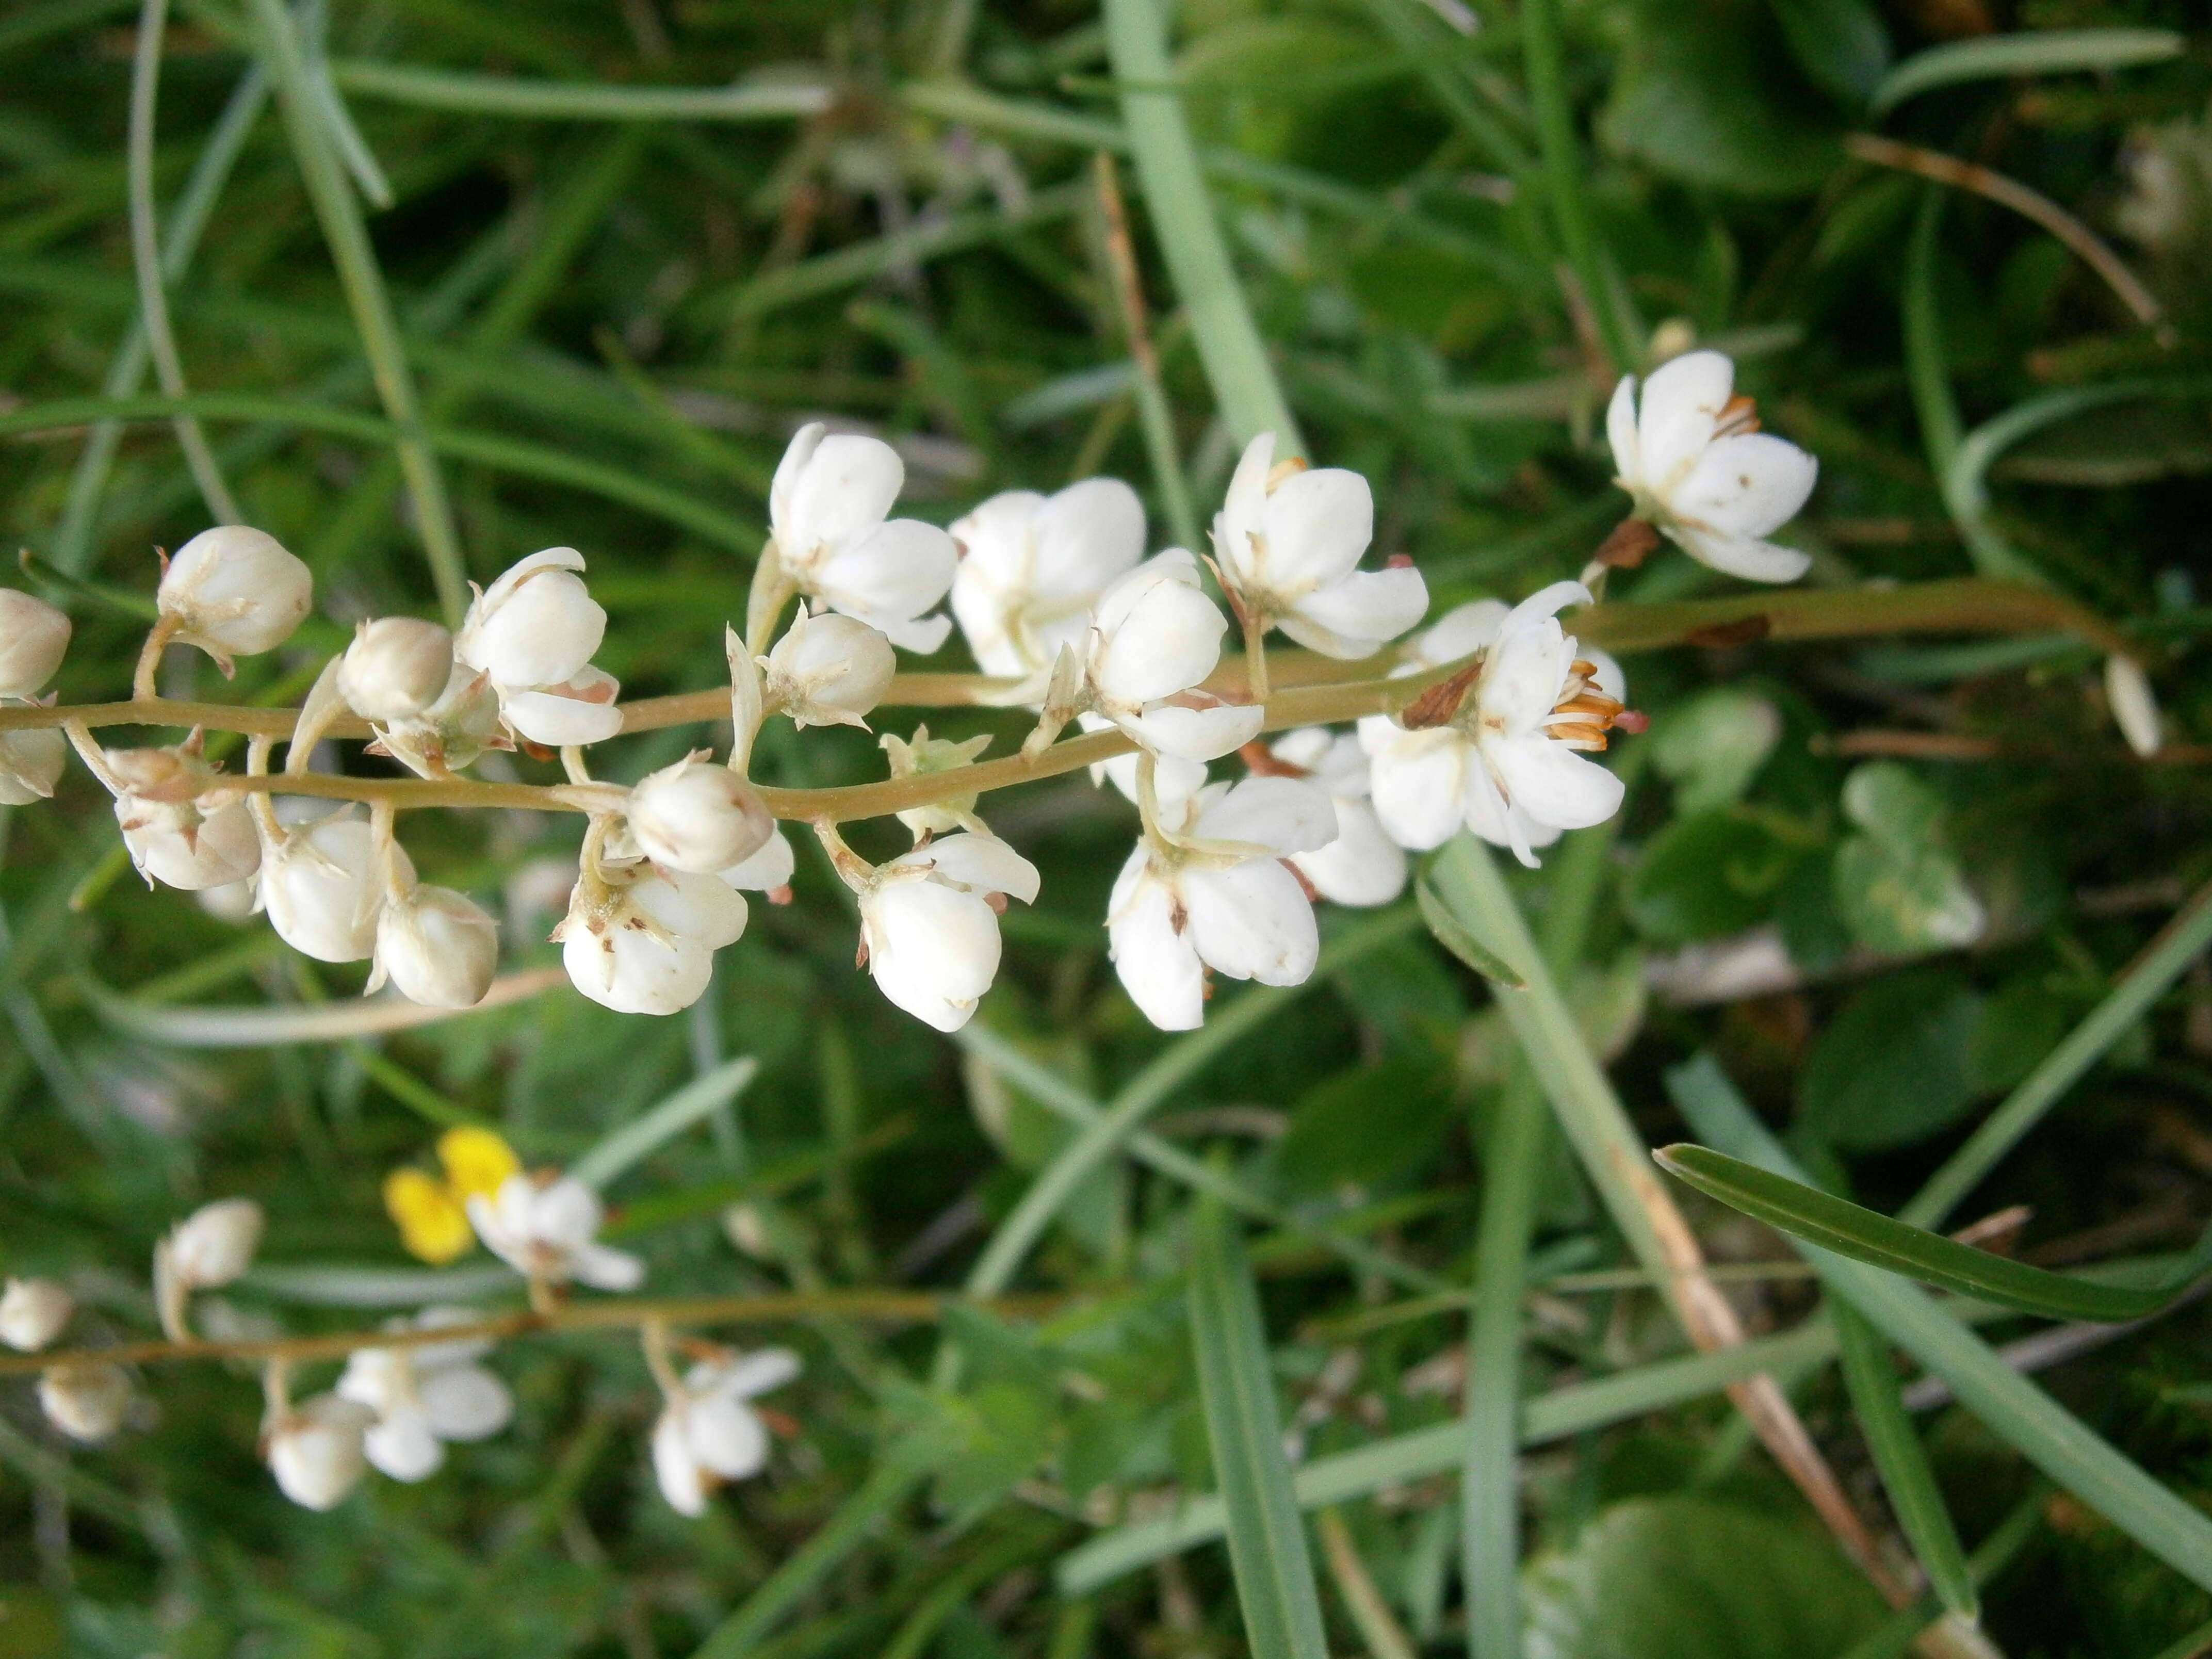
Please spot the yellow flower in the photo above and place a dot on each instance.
(432, 1215)
(432, 1223)
(476, 1161)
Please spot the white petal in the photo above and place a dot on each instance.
(1353, 616)
(1418, 780)
(1286, 815)
(2134, 704)
(1682, 401)
(1546, 601)
(605, 1268)
(1087, 536)
(923, 635)
(1317, 524)
(1242, 509)
(1754, 560)
(1462, 631)
(1554, 784)
(897, 570)
(1363, 865)
(1620, 431)
(767, 870)
(983, 863)
(556, 721)
(1305, 748)
(674, 1466)
(726, 1436)
(565, 1215)
(403, 1446)
(932, 950)
(1157, 632)
(842, 484)
(1158, 966)
(1196, 734)
(1523, 675)
(757, 1372)
(465, 1402)
(1746, 485)
(1252, 922)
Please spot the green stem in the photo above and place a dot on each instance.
(1228, 344)
(363, 282)
(499, 94)
(1543, 57)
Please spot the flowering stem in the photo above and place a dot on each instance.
(913, 1307)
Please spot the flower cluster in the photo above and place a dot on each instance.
(1060, 601)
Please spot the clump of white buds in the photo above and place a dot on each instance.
(316, 1449)
(1032, 568)
(234, 592)
(85, 1400)
(1702, 474)
(322, 886)
(929, 920)
(546, 1229)
(396, 668)
(33, 637)
(1363, 865)
(696, 817)
(425, 1395)
(1289, 540)
(33, 1312)
(829, 540)
(1206, 889)
(707, 1433)
(533, 631)
(180, 830)
(434, 946)
(827, 669)
(1498, 747)
(640, 938)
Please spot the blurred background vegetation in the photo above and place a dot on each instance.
(1878, 878)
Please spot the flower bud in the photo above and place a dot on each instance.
(927, 754)
(216, 1244)
(316, 1451)
(172, 840)
(321, 886)
(829, 669)
(33, 637)
(33, 1312)
(535, 625)
(437, 947)
(233, 590)
(86, 1401)
(31, 762)
(642, 940)
(450, 734)
(396, 667)
(698, 817)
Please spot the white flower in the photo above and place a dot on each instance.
(641, 939)
(1213, 893)
(549, 1234)
(828, 670)
(1703, 474)
(425, 1395)
(1495, 748)
(31, 762)
(1032, 567)
(826, 509)
(321, 885)
(234, 592)
(436, 946)
(533, 631)
(1363, 865)
(173, 836)
(34, 634)
(33, 1312)
(214, 1244)
(708, 1434)
(768, 870)
(698, 817)
(929, 929)
(86, 1400)
(316, 1449)
(1154, 638)
(1289, 539)
(396, 668)
(2133, 703)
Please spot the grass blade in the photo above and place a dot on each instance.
(643, 1135)
(500, 94)
(1451, 931)
(1852, 1230)
(2010, 1405)
(1266, 1534)
(1903, 1465)
(1228, 344)
(2042, 51)
(743, 1631)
